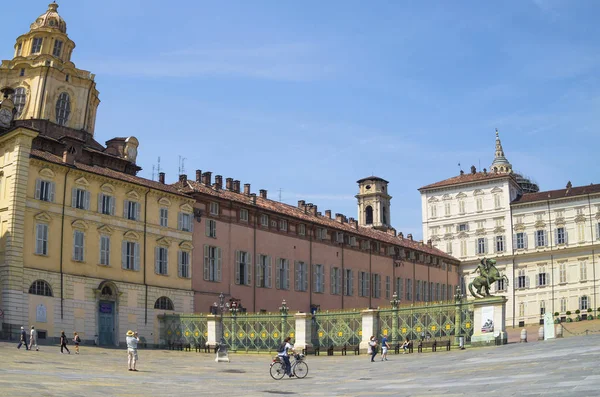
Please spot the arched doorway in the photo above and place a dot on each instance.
(107, 299)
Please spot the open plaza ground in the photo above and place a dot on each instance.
(566, 366)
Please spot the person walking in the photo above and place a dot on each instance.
(132, 345)
(63, 342)
(76, 342)
(23, 339)
(283, 353)
(384, 347)
(372, 350)
(33, 339)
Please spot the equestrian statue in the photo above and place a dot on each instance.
(488, 274)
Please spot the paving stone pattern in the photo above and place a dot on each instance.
(568, 366)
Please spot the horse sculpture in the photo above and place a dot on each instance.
(488, 274)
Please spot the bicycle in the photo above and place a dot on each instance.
(299, 367)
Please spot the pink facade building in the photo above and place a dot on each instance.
(262, 251)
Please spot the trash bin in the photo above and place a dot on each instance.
(96, 341)
(461, 342)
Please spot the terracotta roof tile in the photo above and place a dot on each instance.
(39, 154)
(557, 194)
(295, 212)
(466, 178)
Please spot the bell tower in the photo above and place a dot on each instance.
(45, 82)
(373, 203)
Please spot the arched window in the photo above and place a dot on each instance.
(106, 290)
(63, 108)
(40, 287)
(383, 216)
(19, 99)
(369, 215)
(583, 303)
(164, 303)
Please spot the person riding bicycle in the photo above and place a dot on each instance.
(283, 353)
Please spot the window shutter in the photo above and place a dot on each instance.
(206, 259)
(485, 245)
(237, 264)
(332, 280)
(179, 263)
(126, 209)
(51, 188)
(138, 207)
(546, 238)
(249, 269)
(566, 236)
(87, 200)
(38, 188)
(156, 259)
(219, 260)
(304, 269)
(136, 256)
(73, 197)
(526, 281)
(339, 281)
(278, 270)
(556, 236)
(269, 272)
(351, 282)
(179, 221)
(525, 241)
(111, 205)
(75, 242)
(323, 278)
(124, 254)
(597, 231)
(100, 195)
(287, 274)
(537, 280)
(476, 246)
(514, 241)
(315, 285)
(259, 273)
(191, 217)
(297, 279)
(367, 283)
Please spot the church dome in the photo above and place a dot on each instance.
(50, 19)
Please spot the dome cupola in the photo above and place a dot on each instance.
(50, 19)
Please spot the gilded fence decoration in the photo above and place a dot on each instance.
(257, 332)
(336, 328)
(182, 328)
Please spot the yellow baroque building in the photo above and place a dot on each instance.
(86, 245)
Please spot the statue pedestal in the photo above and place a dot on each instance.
(489, 317)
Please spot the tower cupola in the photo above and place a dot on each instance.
(500, 163)
(373, 203)
(50, 20)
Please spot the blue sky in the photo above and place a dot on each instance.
(310, 96)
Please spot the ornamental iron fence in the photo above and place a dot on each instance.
(257, 332)
(336, 328)
(182, 328)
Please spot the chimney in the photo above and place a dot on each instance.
(199, 176)
(312, 208)
(301, 204)
(219, 181)
(429, 243)
(485, 171)
(183, 178)
(236, 186)
(69, 155)
(409, 236)
(391, 231)
(339, 218)
(253, 196)
(229, 183)
(462, 172)
(351, 222)
(263, 193)
(161, 177)
(206, 178)
(473, 169)
(328, 213)
(401, 235)
(247, 189)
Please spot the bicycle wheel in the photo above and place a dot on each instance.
(277, 370)
(301, 370)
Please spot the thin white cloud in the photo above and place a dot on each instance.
(311, 196)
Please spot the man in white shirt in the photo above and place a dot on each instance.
(282, 352)
(33, 339)
(132, 345)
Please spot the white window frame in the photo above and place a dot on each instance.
(80, 198)
(563, 305)
(581, 232)
(78, 246)
(461, 206)
(521, 240)
(131, 210)
(433, 210)
(211, 228)
(540, 238)
(212, 263)
(104, 250)
(185, 224)
(500, 247)
(561, 235)
(282, 275)
(479, 204)
(106, 204)
(481, 246)
(214, 208)
(283, 225)
(562, 273)
(497, 201)
(44, 190)
(348, 282)
(447, 209)
(41, 239)
(243, 215)
(319, 282)
(521, 279)
(584, 302)
(264, 220)
(130, 255)
(583, 271)
(36, 45)
(302, 229)
(300, 276)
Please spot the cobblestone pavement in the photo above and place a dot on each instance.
(566, 366)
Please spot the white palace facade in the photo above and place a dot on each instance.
(547, 243)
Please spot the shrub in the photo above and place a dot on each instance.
(577, 311)
(590, 317)
(589, 310)
(556, 314)
(568, 312)
(569, 320)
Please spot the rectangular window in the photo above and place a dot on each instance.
(57, 48)
(500, 222)
(212, 263)
(497, 201)
(542, 308)
(499, 243)
(321, 233)
(449, 247)
(78, 245)
(130, 255)
(540, 238)
(41, 239)
(301, 273)
(399, 288)
(598, 231)
(583, 303)
(161, 260)
(418, 294)
(521, 240)
(164, 217)
(80, 198)
(433, 210)
(302, 230)
(263, 271)
(479, 203)
(443, 296)
(481, 246)
(425, 294)
(106, 204)
(463, 247)
(244, 215)
(36, 46)
(461, 206)
(105, 250)
(409, 289)
(283, 274)
(348, 282)
(214, 208)
(131, 210)
(376, 289)
(521, 279)
(583, 271)
(563, 305)
(283, 225)
(581, 232)
(336, 281)
(541, 277)
(211, 228)
(521, 309)
(264, 220)
(387, 287)
(183, 264)
(184, 222)
(447, 211)
(243, 269)
(560, 236)
(319, 278)
(463, 227)
(44, 190)
(562, 273)
(363, 284)
(500, 286)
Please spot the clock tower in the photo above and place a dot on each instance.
(45, 81)
(373, 203)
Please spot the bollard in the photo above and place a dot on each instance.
(559, 330)
(461, 342)
(541, 333)
(523, 335)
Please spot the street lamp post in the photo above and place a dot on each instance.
(222, 355)
(234, 309)
(283, 309)
(395, 302)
